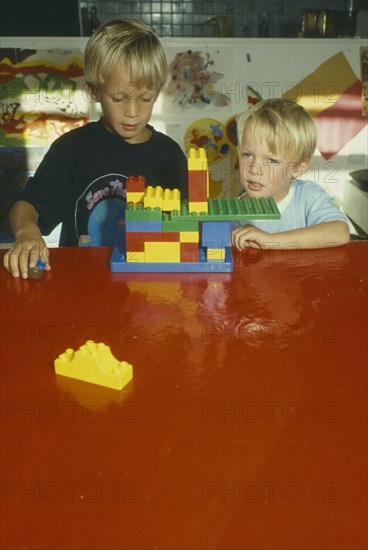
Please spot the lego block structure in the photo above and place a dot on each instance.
(165, 233)
(94, 363)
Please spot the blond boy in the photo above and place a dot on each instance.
(81, 180)
(276, 140)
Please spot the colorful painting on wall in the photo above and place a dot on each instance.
(42, 95)
(199, 79)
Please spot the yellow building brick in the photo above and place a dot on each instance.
(198, 207)
(162, 252)
(189, 236)
(215, 254)
(135, 196)
(137, 257)
(171, 200)
(94, 363)
(153, 197)
(197, 159)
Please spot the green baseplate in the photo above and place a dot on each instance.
(228, 209)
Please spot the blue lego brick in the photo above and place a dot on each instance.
(40, 264)
(118, 264)
(230, 209)
(216, 234)
(143, 226)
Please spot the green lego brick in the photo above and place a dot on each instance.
(179, 226)
(230, 209)
(137, 213)
(170, 224)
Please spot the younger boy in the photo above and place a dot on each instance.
(276, 140)
(81, 181)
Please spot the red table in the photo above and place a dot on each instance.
(244, 427)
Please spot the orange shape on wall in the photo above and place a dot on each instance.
(332, 95)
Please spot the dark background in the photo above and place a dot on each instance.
(39, 18)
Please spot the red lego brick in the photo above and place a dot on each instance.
(189, 252)
(170, 236)
(197, 186)
(135, 247)
(142, 237)
(135, 183)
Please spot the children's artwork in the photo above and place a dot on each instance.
(332, 94)
(42, 95)
(199, 79)
(231, 132)
(210, 134)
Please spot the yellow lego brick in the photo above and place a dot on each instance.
(189, 236)
(162, 252)
(171, 200)
(197, 159)
(137, 257)
(198, 207)
(215, 254)
(153, 197)
(134, 196)
(94, 363)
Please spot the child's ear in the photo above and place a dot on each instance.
(300, 168)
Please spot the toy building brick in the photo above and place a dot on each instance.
(94, 363)
(198, 180)
(165, 233)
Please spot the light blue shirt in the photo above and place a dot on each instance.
(306, 204)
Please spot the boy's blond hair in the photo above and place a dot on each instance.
(132, 42)
(286, 126)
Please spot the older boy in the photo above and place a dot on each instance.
(81, 181)
(276, 141)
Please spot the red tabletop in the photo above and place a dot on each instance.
(244, 426)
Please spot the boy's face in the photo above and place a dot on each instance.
(263, 173)
(126, 108)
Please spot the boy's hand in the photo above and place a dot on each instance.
(24, 254)
(250, 236)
